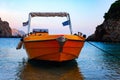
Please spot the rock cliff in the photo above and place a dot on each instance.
(17, 33)
(109, 30)
(5, 30)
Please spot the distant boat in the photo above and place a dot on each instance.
(40, 45)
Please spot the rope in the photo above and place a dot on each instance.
(103, 50)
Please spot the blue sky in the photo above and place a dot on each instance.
(85, 14)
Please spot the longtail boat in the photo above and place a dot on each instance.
(40, 45)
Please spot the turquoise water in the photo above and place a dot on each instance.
(92, 64)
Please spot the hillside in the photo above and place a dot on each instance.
(5, 30)
(17, 33)
(109, 30)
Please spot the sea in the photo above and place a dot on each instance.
(97, 61)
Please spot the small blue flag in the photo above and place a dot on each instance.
(66, 23)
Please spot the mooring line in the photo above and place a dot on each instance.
(103, 50)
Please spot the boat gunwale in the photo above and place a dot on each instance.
(52, 40)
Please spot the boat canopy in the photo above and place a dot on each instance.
(49, 14)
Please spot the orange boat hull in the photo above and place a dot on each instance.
(41, 45)
(51, 50)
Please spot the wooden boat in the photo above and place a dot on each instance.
(40, 45)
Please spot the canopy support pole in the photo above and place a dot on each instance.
(29, 21)
(70, 26)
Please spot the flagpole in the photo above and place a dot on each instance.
(70, 26)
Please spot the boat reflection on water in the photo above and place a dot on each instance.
(51, 71)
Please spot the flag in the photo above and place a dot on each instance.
(66, 23)
(25, 23)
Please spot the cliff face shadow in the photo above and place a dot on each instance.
(51, 71)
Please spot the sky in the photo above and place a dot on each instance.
(85, 14)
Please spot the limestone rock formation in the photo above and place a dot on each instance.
(109, 30)
(17, 33)
(5, 30)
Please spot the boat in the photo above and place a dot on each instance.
(40, 45)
